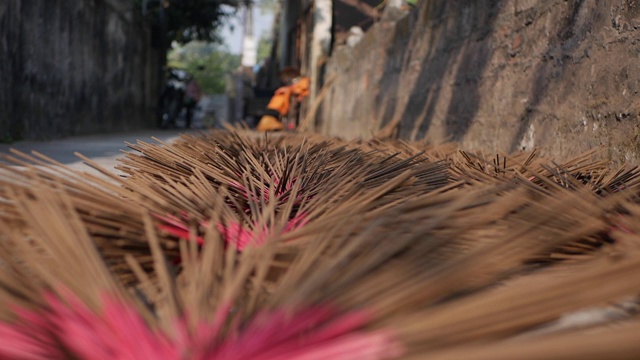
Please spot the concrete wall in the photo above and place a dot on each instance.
(74, 67)
(508, 75)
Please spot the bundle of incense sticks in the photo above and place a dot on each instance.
(229, 245)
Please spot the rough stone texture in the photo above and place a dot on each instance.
(562, 76)
(74, 67)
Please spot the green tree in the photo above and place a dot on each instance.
(268, 6)
(187, 20)
(264, 46)
(209, 63)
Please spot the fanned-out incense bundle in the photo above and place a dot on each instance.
(229, 245)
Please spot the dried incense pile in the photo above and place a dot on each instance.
(228, 245)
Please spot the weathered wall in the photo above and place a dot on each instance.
(71, 67)
(559, 75)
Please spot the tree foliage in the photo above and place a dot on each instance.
(268, 6)
(187, 20)
(264, 46)
(209, 64)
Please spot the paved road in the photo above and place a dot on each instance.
(104, 149)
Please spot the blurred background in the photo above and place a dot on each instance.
(77, 67)
(493, 75)
(95, 66)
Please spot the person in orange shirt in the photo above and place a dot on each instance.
(280, 103)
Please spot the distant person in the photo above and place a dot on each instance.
(192, 96)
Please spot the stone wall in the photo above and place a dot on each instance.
(74, 67)
(559, 75)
